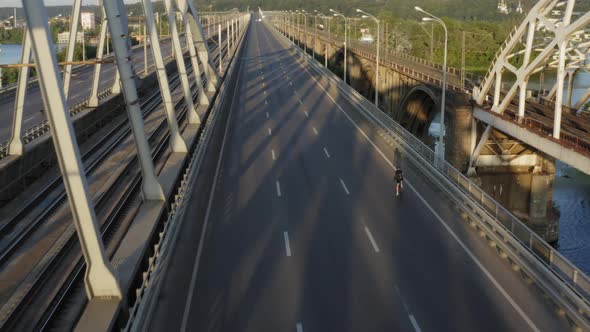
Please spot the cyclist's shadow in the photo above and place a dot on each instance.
(398, 159)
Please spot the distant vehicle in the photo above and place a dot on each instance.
(368, 39)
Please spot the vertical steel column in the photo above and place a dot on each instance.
(93, 101)
(561, 71)
(203, 52)
(99, 277)
(201, 96)
(192, 116)
(116, 88)
(15, 146)
(315, 32)
(570, 87)
(305, 33)
(115, 14)
(220, 49)
(525, 80)
(177, 144)
(145, 61)
(72, 45)
(497, 89)
(227, 37)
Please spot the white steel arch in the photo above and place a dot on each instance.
(553, 34)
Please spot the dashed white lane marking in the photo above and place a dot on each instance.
(326, 152)
(267, 115)
(291, 83)
(273, 154)
(471, 255)
(370, 236)
(315, 131)
(415, 324)
(287, 246)
(279, 193)
(344, 187)
(264, 91)
(300, 102)
(306, 114)
(263, 84)
(265, 102)
(299, 327)
(269, 132)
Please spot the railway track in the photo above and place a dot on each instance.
(127, 183)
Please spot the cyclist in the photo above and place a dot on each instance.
(399, 181)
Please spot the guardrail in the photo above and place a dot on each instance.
(555, 274)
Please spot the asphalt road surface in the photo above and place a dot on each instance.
(305, 234)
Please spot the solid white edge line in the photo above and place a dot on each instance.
(415, 323)
(279, 193)
(469, 253)
(344, 187)
(326, 152)
(370, 236)
(287, 244)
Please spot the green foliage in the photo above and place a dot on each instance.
(12, 36)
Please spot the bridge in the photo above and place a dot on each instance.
(243, 185)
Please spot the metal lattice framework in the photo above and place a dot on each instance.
(552, 35)
(100, 278)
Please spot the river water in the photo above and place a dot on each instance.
(571, 195)
(9, 53)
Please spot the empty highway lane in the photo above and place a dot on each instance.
(304, 232)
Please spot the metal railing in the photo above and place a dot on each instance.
(564, 282)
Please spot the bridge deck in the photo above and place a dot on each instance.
(304, 227)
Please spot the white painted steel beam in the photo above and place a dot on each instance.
(192, 115)
(77, 6)
(203, 51)
(151, 188)
(202, 98)
(100, 279)
(177, 143)
(93, 101)
(15, 145)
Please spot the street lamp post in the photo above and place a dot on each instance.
(377, 59)
(444, 82)
(315, 32)
(298, 29)
(345, 40)
(304, 31)
(326, 43)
